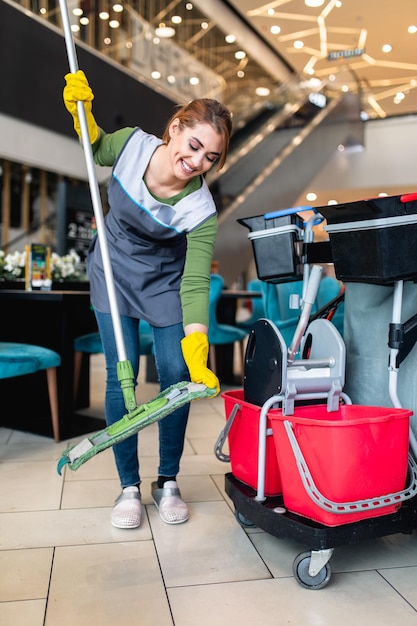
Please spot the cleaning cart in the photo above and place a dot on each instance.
(307, 463)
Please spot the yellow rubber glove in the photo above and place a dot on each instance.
(195, 349)
(78, 89)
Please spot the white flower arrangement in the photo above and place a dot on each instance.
(67, 267)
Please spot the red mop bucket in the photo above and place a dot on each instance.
(352, 462)
(243, 439)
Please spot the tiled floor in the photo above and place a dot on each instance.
(62, 563)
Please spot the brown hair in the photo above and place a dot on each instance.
(204, 111)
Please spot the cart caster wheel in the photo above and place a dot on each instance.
(243, 521)
(301, 575)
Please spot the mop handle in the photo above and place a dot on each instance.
(94, 190)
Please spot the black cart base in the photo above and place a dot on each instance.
(270, 516)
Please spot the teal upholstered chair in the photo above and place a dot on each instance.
(19, 359)
(221, 334)
(276, 299)
(258, 308)
(91, 344)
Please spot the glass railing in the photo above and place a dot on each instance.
(166, 66)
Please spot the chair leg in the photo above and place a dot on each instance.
(53, 400)
(78, 358)
(212, 358)
(242, 359)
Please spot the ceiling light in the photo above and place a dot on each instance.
(156, 75)
(165, 32)
(262, 91)
(77, 11)
(412, 29)
(117, 8)
(204, 25)
(240, 54)
(386, 47)
(114, 24)
(298, 44)
(103, 15)
(84, 21)
(176, 19)
(194, 80)
(311, 196)
(313, 3)
(275, 30)
(230, 38)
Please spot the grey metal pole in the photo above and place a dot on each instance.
(94, 190)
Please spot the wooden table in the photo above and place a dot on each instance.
(52, 319)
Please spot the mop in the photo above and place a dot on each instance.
(137, 416)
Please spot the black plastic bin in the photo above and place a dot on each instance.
(277, 243)
(373, 241)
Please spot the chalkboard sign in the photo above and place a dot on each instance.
(75, 221)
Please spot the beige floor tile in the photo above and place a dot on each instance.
(203, 464)
(209, 548)
(403, 579)
(83, 494)
(393, 551)
(23, 613)
(106, 585)
(278, 554)
(205, 445)
(20, 450)
(59, 528)
(29, 486)
(24, 574)
(360, 599)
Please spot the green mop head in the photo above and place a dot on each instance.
(143, 415)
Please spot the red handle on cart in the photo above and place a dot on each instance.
(408, 197)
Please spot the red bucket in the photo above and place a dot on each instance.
(355, 453)
(243, 442)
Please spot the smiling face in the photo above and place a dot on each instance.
(194, 150)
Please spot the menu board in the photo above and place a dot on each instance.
(75, 220)
(38, 270)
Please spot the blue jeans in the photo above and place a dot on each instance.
(171, 369)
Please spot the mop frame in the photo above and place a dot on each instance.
(159, 407)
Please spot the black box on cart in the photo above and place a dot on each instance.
(374, 241)
(279, 247)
